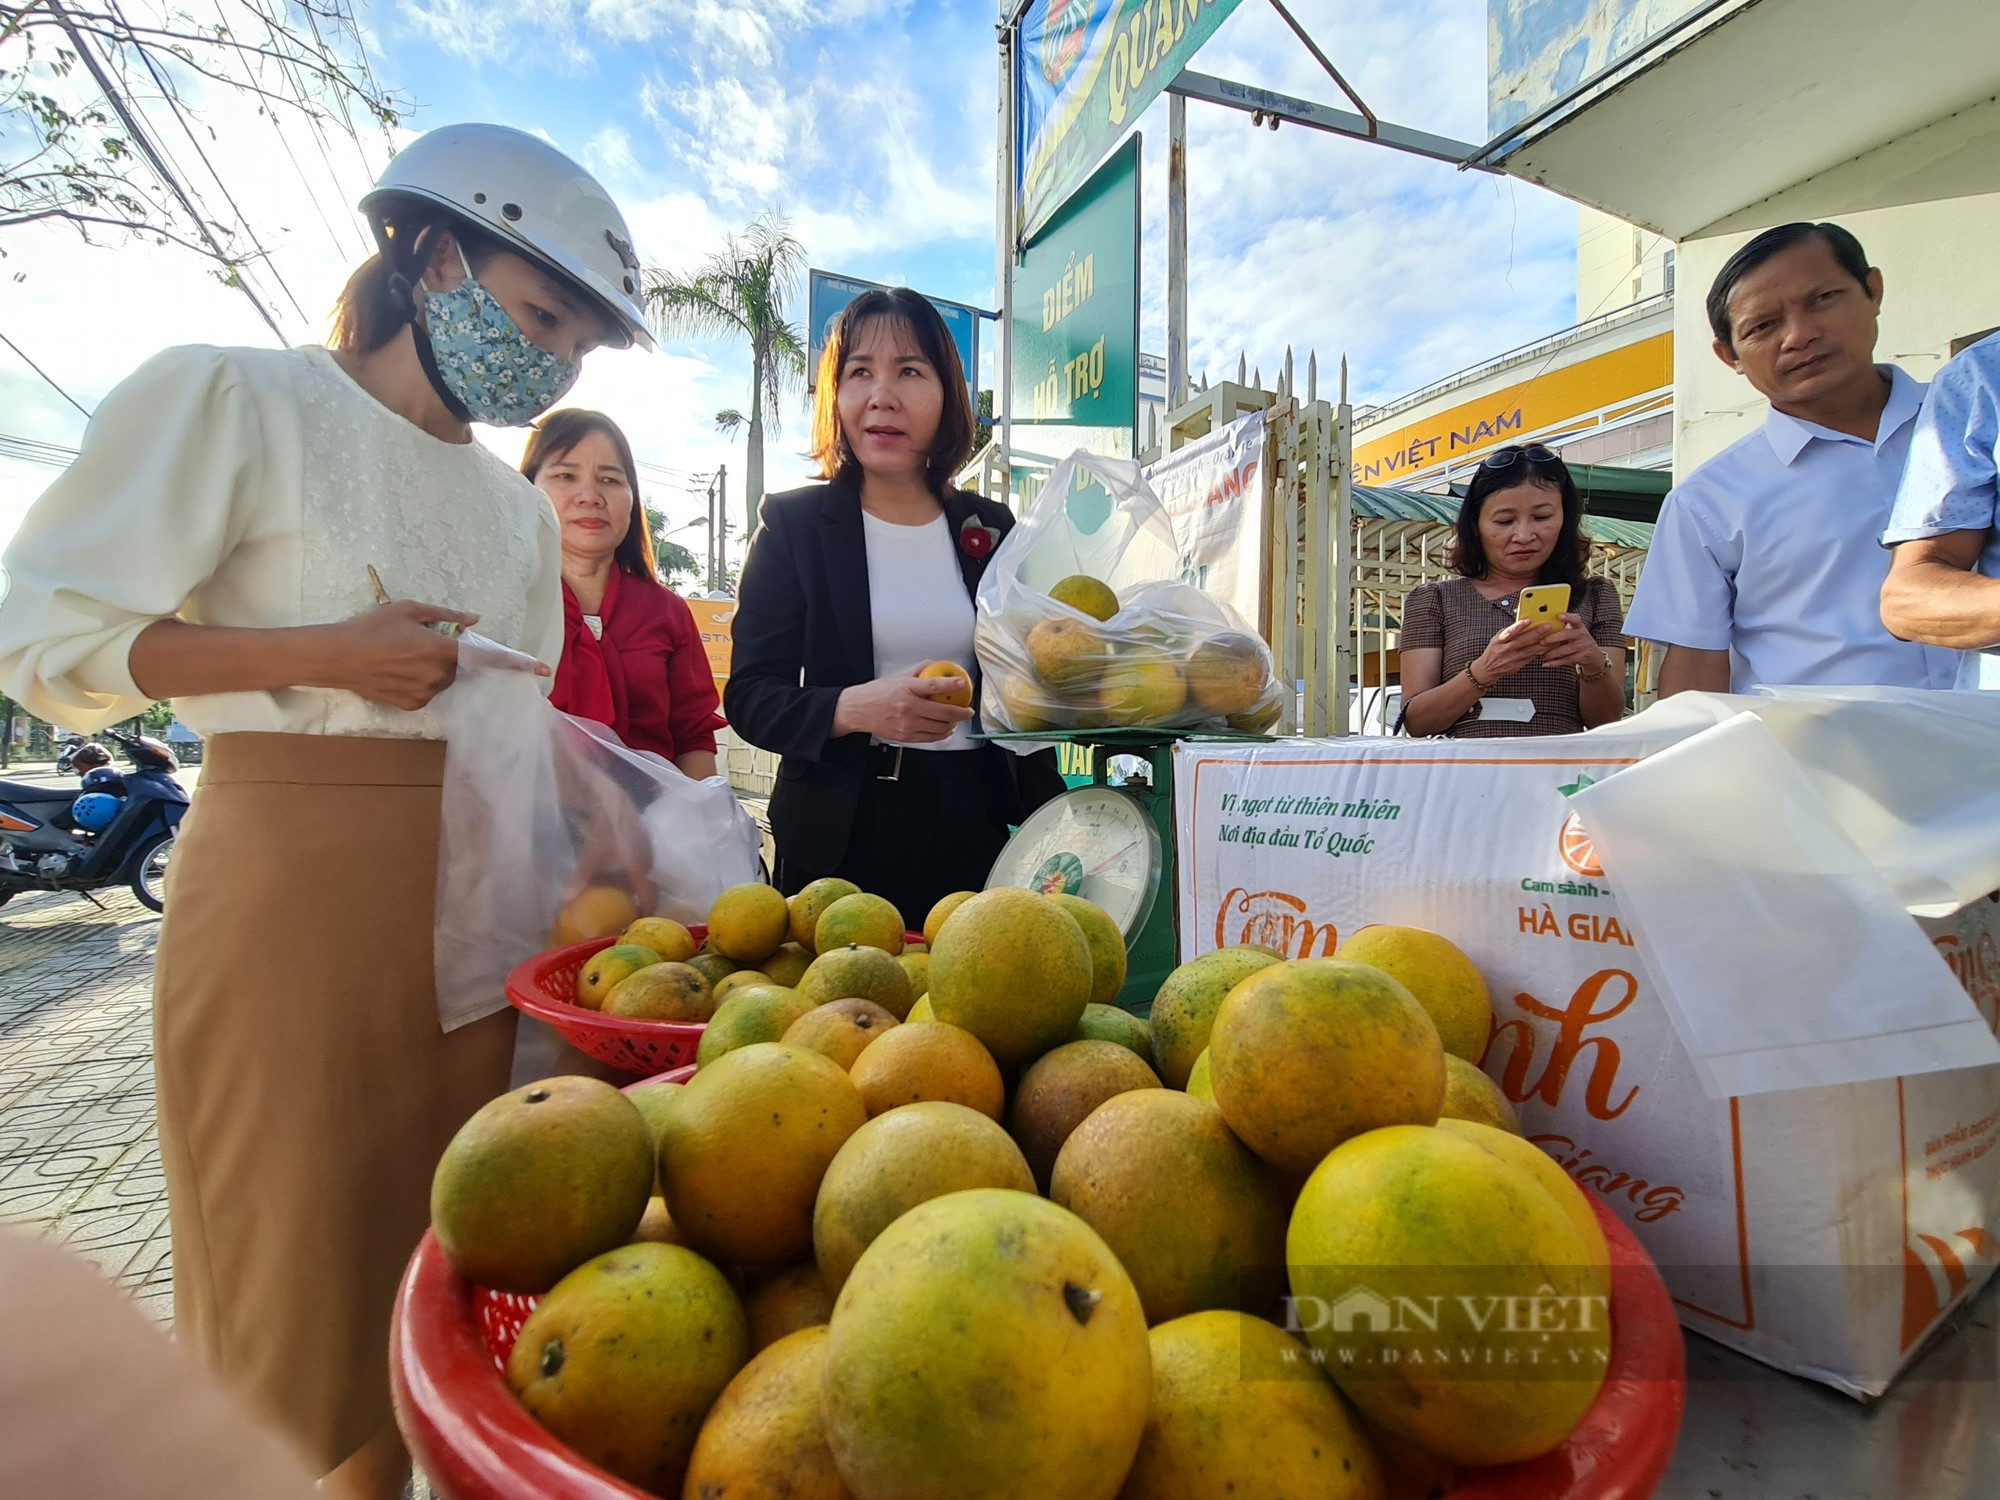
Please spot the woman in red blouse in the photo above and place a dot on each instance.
(632, 656)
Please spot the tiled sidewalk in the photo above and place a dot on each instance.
(79, 1155)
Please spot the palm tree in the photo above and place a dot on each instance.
(741, 292)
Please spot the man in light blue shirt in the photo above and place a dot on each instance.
(1764, 567)
(1944, 579)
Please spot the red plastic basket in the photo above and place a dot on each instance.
(545, 987)
(450, 1341)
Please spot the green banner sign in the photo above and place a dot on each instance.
(1076, 307)
(1084, 71)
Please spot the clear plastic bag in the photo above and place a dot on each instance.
(1170, 656)
(540, 807)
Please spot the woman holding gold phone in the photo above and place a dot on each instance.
(1476, 663)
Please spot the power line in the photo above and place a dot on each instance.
(285, 140)
(144, 143)
(45, 376)
(35, 451)
(175, 108)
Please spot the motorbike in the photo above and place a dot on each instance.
(79, 755)
(116, 829)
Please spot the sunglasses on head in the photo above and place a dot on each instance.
(1506, 458)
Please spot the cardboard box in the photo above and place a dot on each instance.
(1824, 1231)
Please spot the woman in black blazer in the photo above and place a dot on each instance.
(849, 589)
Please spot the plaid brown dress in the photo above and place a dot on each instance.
(1456, 618)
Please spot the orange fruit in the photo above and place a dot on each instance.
(606, 969)
(1014, 969)
(960, 696)
(657, 1226)
(841, 1029)
(743, 1148)
(1060, 1090)
(597, 912)
(626, 1355)
(788, 965)
(1470, 1095)
(1189, 1211)
(945, 907)
(1238, 1410)
(1107, 946)
(1068, 655)
(664, 936)
(1445, 982)
(764, 1437)
(1184, 1010)
(858, 973)
(748, 922)
(907, 1156)
(1087, 596)
(1227, 674)
(987, 1344)
(929, 1060)
(1307, 1054)
(539, 1181)
(861, 919)
(1143, 692)
(813, 898)
(762, 1013)
(662, 992)
(794, 1298)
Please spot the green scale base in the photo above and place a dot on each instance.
(1153, 946)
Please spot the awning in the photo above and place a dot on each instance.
(1839, 105)
(1378, 504)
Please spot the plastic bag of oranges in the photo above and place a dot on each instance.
(1085, 620)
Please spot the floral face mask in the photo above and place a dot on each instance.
(482, 360)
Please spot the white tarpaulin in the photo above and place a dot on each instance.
(1824, 815)
(1213, 490)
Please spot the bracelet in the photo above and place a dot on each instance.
(1484, 687)
(1603, 666)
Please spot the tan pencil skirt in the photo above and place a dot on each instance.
(305, 1088)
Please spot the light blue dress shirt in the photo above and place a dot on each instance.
(1949, 484)
(1770, 552)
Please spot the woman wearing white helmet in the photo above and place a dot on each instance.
(213, 543)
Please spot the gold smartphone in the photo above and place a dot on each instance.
(1544, 604)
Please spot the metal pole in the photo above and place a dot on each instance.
(715, 541)
(1003, 389)
(1343, 559)
(722, 523)
(1177, 352)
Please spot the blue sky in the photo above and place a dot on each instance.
(870, 124)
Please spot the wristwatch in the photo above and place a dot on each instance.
(1603, 666)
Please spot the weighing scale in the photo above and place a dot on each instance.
(1112, 845)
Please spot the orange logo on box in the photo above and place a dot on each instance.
(1572, 842)
(1577, 850)
(1273, 919)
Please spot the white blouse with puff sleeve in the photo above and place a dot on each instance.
(253, 487)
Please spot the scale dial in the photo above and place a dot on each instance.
(1094, 842)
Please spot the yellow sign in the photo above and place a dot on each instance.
(1553, 408)
(712, 617)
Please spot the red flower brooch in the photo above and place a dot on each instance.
(976, 540)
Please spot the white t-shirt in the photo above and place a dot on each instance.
(1768, 551)
(254, 487)
(918, 604)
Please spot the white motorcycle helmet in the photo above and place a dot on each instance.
(531, 198)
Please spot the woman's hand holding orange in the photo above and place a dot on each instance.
(902, 708)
